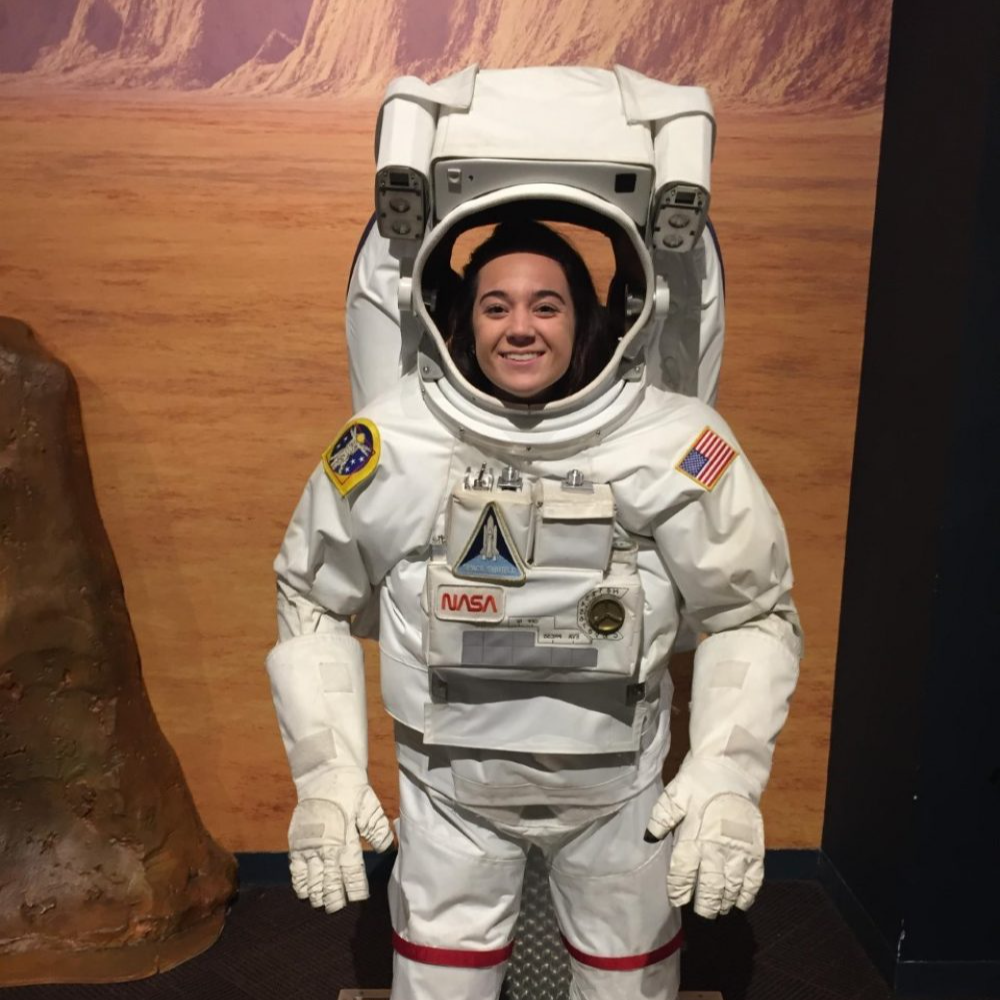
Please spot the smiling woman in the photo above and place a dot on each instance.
(526, 324)
(523, 324)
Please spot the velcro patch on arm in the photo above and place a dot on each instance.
(749, 753)
(353, 456)
(336, 678)
(707, 459)
(729, 674)
(312, 752)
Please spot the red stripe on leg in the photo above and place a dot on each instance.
(626, 963)
(459, 957)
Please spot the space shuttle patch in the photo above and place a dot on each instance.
(353, 456)
(707, 459)
(490, 554)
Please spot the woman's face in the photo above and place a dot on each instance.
(523, 323)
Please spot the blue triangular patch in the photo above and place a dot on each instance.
(490, 554)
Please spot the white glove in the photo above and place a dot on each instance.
(718, 855)
(317, 681)
(324, 849)
(739, 700)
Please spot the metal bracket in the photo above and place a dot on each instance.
(429, 368)
(661, 297)
(405, 294)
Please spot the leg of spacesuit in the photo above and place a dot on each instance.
(609, 894)
(454, 896)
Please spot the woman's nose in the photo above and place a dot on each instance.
(519, 338)
(520, 326)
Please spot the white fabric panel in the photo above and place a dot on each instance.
(311, 753)
(544, 113)
(749, 753)
(337, 678)
(561, 504)
(298, 615)
(406, 134)
(306, 712)
(404, 683)
(726, 550)
(319, 558)
(661, 981)
(683, 149)
(648, 100)
(476, 905)
(556, 719)
(712, 324)
(614, 863)
(376, 352)
(499, 784)
(418, 981)
(729, 673)
(453, 91)
(738, 726)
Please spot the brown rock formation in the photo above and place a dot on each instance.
(106, 872)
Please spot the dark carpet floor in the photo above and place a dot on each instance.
(792, 945)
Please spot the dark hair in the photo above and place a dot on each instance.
(593, 339)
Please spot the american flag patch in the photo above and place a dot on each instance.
(707, 459)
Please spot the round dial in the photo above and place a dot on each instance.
(606, 615)
(602, 613)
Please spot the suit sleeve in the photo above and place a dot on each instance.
(323, 578)
(727, 553)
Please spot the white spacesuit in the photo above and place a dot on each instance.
(533, 565)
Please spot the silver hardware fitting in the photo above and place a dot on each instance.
(510, 479)
(482, 480)
(576, 480)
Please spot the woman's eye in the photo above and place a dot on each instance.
(546, 309)
(494, 310)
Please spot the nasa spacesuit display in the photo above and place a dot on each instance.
(533, 564)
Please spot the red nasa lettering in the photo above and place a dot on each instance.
(476, 604)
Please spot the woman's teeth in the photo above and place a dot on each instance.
(521, 355)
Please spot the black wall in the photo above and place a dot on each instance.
(911, 842)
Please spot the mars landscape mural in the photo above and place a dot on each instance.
(183, 186)
(767, 52)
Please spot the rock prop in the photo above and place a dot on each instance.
(106, 872)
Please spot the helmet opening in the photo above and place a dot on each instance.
(614, 252)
